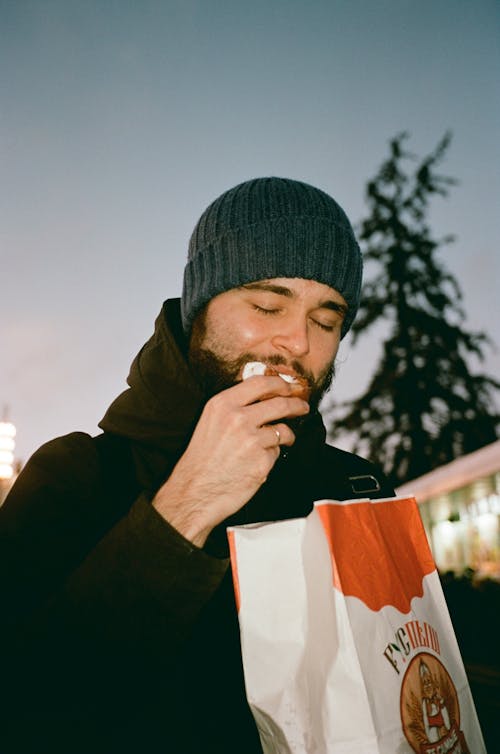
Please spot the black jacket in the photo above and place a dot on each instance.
(118, 634)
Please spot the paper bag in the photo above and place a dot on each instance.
(347, 643)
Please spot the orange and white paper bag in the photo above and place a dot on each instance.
(346, 639)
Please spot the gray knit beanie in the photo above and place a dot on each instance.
(268, 228)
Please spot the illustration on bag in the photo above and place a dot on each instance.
(430, 711)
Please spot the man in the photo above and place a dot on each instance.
(435, 715)
(121, 626)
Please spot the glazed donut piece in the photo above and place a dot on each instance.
(254, 368)
(299, 385)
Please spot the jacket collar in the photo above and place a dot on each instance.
(163, 400)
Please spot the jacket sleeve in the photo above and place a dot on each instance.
(75, 569)
(142, 583)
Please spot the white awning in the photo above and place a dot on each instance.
(456, 474)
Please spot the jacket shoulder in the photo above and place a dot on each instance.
(67, 473)
(67, 462)
(68, 457)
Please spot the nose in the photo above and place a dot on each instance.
(292, 337)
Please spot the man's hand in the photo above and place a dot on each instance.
(231, 453)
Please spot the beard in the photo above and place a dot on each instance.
(215, 370)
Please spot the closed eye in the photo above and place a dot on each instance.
(274, 311)
(327, 328)
(265, 311)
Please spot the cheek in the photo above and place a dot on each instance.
(243, 332)
(248, 333)
(326, 348)
(234, 335)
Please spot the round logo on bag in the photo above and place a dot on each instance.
(430, 713)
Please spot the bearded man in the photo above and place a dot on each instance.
(119, 616)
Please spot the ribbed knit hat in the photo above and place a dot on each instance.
(268, 228)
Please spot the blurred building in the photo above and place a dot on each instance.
(8, 467)
(460, 507)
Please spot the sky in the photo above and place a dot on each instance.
(121, 121)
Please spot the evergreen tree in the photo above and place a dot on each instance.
(423, 406)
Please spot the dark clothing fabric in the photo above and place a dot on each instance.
(118, 635)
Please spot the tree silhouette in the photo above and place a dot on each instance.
(423, 406)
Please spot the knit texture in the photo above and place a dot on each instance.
(267, 228)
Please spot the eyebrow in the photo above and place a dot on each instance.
(282, 290)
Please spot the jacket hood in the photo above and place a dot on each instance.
(163, 400)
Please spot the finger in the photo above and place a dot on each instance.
(282, 435)
(275, 409)
(272, 436)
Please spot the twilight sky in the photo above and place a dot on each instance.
(120, 121)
